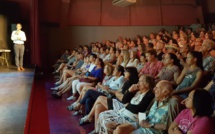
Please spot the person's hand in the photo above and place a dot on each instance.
(145, 124)
(99, 83)
(189, 132)
(133, 88)
(105, 88)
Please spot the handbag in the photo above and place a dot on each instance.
(87, 80)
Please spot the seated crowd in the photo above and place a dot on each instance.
(156, 84)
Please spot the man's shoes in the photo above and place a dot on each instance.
(22, 68)
(18, 69)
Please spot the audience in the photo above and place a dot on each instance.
(114, 84)
(114, 104)
(109, 120)
(161, 113)
(104, 103)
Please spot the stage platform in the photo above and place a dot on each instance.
(15, 91)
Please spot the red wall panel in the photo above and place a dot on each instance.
(84, 12)
(178, 15)
(49, 10)
(113, 15)
(103, 13)
(142, 14)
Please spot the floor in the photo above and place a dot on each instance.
(15, 89)
(61, 121)
(15, 92)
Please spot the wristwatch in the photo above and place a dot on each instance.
(152, 125)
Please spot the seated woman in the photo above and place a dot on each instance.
(190, 75)
(110, 58)
(108, 70)
(152, 66)
(142, 62)
(115, 84)
(95, 76)
(103, 103)
(126, 58)
(133, 62)
(170, 71)
(211, 88)
(109, 120)
(196, 118)
(119, 57)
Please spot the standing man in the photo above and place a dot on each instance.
(18, 37)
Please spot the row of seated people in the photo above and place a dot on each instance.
(92, 95)
(123, 85)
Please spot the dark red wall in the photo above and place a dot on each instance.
(103, 13)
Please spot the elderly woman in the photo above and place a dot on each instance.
(196, 118)
(109, 120)
(103, 103)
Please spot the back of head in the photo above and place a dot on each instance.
(120, 69)
(202, 103)
(133, 79)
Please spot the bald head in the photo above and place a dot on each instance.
(163, 89)
(209, 43)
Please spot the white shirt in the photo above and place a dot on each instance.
(18, 38)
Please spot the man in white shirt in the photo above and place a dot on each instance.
(18, 37)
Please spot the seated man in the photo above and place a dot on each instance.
(161, 114)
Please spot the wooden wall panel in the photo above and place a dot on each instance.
(113, 15)
(84, 12)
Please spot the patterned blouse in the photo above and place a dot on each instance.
(152, 70)
(168, 74)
